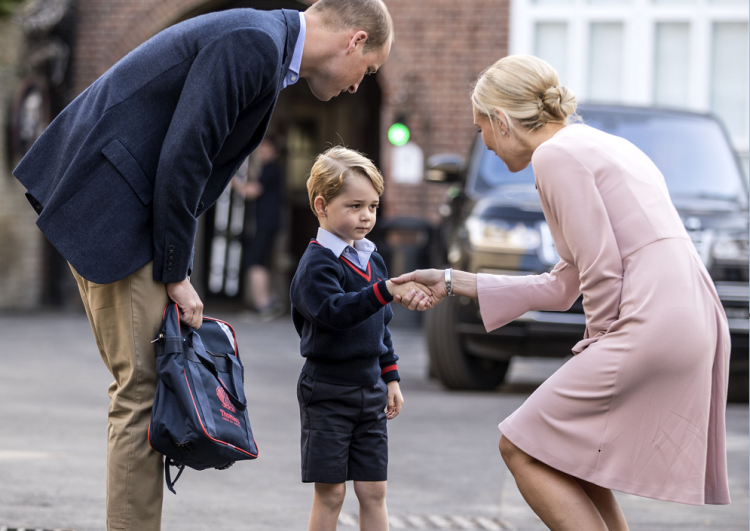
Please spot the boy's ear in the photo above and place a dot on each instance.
(320, 206)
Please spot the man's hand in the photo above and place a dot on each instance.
(418, 294)
(188, 301)
(432, 279)
(395, 400)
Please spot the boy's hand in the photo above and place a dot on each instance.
(395, 400)
(422, 299)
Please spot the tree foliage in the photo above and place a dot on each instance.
(7, 7)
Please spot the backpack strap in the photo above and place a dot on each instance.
(168, 476)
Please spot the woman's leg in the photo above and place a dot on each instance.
(260, 286)
(329, 497)
(557, 498)
(606, 504)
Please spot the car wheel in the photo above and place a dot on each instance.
(738, 371)
(449, 361)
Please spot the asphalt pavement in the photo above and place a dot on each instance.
(445, 471)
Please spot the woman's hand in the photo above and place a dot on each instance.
(432, 279)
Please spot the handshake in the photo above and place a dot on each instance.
(411, 294)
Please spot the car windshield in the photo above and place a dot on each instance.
(691, 152)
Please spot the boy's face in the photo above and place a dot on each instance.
(351, 214)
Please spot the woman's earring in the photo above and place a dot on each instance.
(502, 132)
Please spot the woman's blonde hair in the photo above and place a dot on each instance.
(331, 169)
(370, 16)
(527, 89)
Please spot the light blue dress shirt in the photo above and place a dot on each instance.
(292, 75)
(359, 255)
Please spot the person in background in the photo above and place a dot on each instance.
(263, 205)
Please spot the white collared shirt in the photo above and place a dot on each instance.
(292, 75)
(359, 255)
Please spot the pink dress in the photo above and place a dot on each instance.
(641, 406)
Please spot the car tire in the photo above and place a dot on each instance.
(738, 370)
(449, 361)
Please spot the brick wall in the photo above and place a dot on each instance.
(20, 239)
(441, 47)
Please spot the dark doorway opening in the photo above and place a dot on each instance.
(303, 127)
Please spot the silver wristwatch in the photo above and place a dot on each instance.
(449, 281)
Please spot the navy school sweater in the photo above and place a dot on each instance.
(341, 314)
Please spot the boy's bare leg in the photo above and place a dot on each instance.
(606, 504)
(557, 498)
(327, 502)
(373, 514)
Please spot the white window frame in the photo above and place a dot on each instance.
(639, 18)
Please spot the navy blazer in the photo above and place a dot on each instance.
(121, 175)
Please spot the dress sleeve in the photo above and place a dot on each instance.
(571, 200)
(504, 298)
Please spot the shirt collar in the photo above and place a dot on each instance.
(292, 75)
(338, 246)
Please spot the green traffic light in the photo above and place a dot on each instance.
(398, 134)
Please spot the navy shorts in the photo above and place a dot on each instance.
(344, 433)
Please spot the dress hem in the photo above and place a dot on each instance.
(590, 475)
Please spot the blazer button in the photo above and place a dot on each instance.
(169, 268)
(200, 205)
(171, 247)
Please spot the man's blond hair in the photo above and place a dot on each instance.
(333, 167)
(370, 16)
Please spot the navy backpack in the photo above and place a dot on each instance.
(199, 418)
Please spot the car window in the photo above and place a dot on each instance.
(691, 151)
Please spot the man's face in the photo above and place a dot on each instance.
(345, 71)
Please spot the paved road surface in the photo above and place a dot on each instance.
(445, 470)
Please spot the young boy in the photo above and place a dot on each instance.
(349, 383)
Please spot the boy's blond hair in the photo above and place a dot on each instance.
(331, 169)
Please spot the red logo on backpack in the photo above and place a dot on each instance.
(222, 394)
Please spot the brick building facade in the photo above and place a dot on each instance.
(441, 46)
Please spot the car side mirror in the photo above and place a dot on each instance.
(444, 168)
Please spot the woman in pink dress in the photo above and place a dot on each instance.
(640, 408)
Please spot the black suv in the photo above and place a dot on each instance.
(493, 223)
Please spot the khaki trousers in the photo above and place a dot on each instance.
(125, 317)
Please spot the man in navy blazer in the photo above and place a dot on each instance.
(121, 175)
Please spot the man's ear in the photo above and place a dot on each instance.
(320, 206)
(357, 40)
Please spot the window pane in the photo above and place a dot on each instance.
(551, 44)
(608, 2)
(729, 85)
(553, 2)
(605, 61)
(672, 64)
(673, 2)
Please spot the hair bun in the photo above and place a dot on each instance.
(557, 104)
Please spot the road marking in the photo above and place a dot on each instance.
(439, 521)
(417, 522)
(347, 519)
(463, 523)
(436, 522)
(18, 455)
(6, 528)
(396, 522)
(486, 523)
